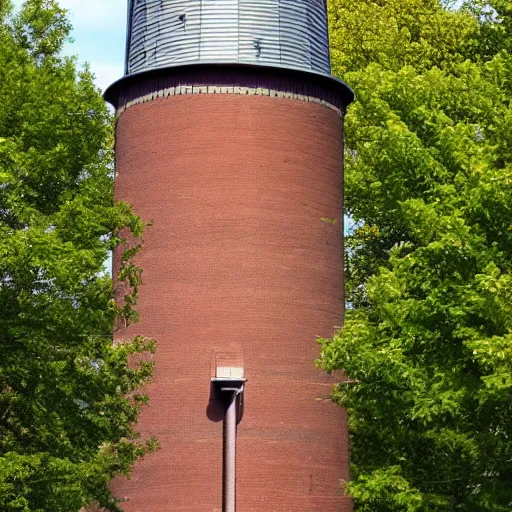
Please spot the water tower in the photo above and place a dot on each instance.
(230, 140)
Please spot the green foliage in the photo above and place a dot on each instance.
(68, 397)
(396, 33)
(427, 342)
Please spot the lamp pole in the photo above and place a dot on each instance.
(230, 428)
(230, 382)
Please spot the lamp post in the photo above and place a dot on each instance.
(230, 383)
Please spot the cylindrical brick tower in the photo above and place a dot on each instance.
(229, 139)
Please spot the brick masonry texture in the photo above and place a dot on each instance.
(237, 260)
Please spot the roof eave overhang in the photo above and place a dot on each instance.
(346, 93)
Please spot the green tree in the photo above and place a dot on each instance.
(68, 395)
(427, 342)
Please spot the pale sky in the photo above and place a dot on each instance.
(99, 36)
(99, 29)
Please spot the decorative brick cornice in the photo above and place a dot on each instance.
(263, 84)
(218, 89)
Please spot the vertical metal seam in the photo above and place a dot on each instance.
(279, 30)
(238, 32)
(200, 26)
(128, 36)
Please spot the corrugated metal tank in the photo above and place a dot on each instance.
(277, 33)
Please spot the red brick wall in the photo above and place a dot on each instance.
(237, 258)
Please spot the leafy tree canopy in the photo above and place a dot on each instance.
(68, 398)
(427, 342)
